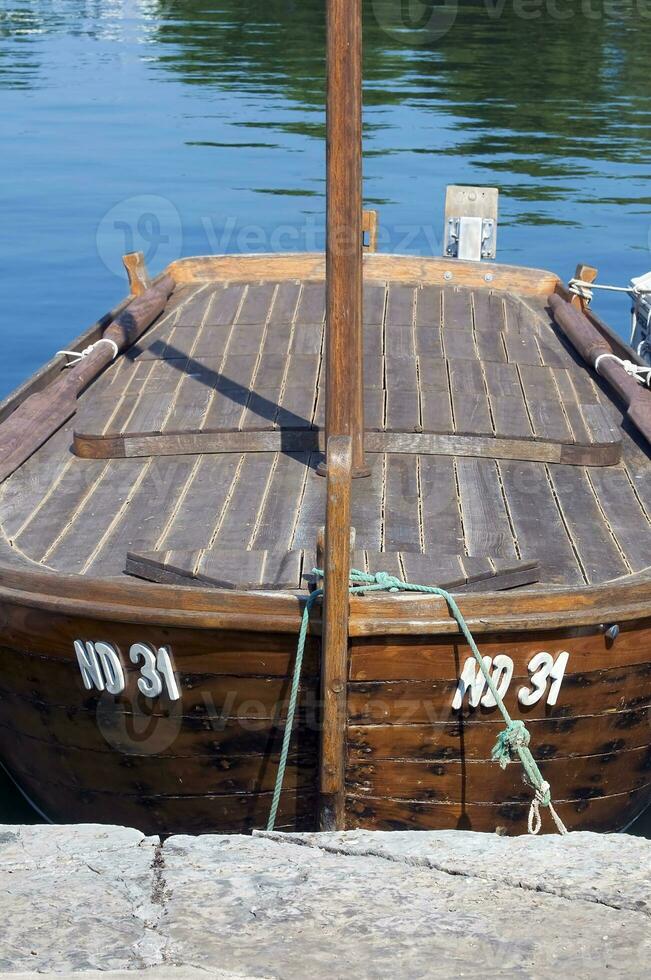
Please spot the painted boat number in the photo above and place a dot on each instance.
(546, 677)
(101, 669)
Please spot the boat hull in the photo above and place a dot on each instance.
(207, 761)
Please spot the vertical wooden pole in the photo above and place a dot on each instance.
(334, 656)
(344, 254)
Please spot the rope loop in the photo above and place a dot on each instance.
(77, 356)
(641, 374)
(513, 741)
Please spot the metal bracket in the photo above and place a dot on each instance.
(471, 223)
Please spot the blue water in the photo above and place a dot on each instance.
(183, 127)
(193, 127)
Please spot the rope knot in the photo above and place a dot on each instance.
(515, 736)
(386, 581)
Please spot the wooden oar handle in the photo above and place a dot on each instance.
(140, 314)
(124, 331)
(587, 340)
(40, 415)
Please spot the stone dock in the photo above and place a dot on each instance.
(77, 900)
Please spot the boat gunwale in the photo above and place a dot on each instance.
(26, 583)
(620, 600)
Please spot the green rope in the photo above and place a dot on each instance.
(291, 709)
(513, 741)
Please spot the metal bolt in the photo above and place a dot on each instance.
(612, 632)
(489, 277)
(447, 276)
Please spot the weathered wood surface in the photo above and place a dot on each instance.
(44, 412)
(85, 515)
(244, 358)
(411, 760)
(503, 389)
(344, 347)
(409, 269)
(597, 351)
(338, 539)
(293, 570)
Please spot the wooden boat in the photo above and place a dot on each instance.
(161, 508)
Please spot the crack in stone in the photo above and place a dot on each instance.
(430, 865)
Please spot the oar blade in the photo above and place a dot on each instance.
(31, 426)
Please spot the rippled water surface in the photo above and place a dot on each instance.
(190, 126)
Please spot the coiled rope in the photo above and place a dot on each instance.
(513, 741)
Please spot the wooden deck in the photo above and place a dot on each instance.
(486, 369)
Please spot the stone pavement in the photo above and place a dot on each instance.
(75, 900)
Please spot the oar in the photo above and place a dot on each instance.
(42, 414)
(591, 345)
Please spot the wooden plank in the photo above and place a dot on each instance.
(457, 310)
(146, 515)
(238, 524)
(297, 408)
(225, 306)
(468, 737)
(539, 528)
(486, 522)
(366, 506)
(285, 304)
(469, 400)
(279, 510)
(401, 505)
(200, 504)
(232, 392)
(256, 306)
(624, 514)
(307, 339)
(429, 309)
(459, 344)
(637, 467)
(498, 574)
(450, 781)
(571, 406)
(434, 392)
(507, 403)
(441, 516)
(30, 486)
(311, 307)
(543, 404)
(399, 268)
(374, 410)
(374, 304)
(52, 516)
(400, 306)
(97, 515)
(298, 435)
(519, 340)
(597, 551)
(442, 571)
(193, 309)
(193, 397)
(263, 402)
(490, 325)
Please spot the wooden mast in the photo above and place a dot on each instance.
(344, 254)
(344, 381)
